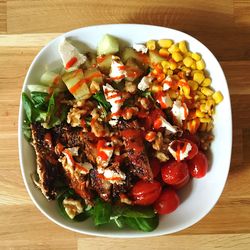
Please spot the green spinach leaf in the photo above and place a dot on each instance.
(100, 98)
(40, 100)
(102, 212)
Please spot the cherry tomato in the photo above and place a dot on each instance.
(167, 202)
(174, 173)
(146, 193)
(193, 152)
(183, 183)
(155, 166)
(198, 165)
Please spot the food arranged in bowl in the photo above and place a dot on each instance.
(118, 133)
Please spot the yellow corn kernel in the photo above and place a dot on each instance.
(177, 56)
(165, 43)
(170, 72)
(151, 45)
(206, 120)
(196, 56)
(163, 52)
(188, 61)
(207, 91)
(186, 70)
(183, 47)
(174, 48)
(156, 88)
(165, 64)
(200, 65)
(173, 65)
(206, 82)
(193, 66)
(196, 97)
(196, 71)
(186, 92)
(155, 72)
(210, 104)
(198, 77)
(218, 97)
(199, 113)
(203, 108)
(203, 127)
(194, 85)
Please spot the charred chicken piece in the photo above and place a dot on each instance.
(48, 167)
(101, 186)
(134, 146)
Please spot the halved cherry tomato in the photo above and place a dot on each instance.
(174, 173)
(183, 183)
(146, 193)
(155, 166)
(198, 165)
(167, 202)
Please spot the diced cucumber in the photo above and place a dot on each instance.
(52, 79)
(76, 84)
(93, 74)
(43, 89)
(91, 60)
(142, 59)
(104, 63)
(155, 58)
(39, 88)
(108, 45)
(133, 70)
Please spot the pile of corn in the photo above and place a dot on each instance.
(194, 84)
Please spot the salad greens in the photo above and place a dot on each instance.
(135, 217)
(41, 107)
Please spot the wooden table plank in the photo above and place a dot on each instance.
(242, 12)
(221, 241)
(3, 16)
(199, 19)
(26, 26)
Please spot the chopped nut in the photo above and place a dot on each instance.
(74, 116)
(158, 141)
(72, 207)
(129, 112)
(145, 103)
(161, 156)
(98, 129)
(130, 87)
(94, 87)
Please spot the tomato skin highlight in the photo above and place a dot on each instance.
(146, 193)
(198, 165)
(183, 183)
(155, 166)
(167, 202)
(174, 173)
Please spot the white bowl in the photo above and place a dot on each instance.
(199, 197)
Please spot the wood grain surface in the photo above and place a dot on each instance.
(26, 26)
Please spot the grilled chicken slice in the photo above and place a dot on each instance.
(101, 186)
(77, 173)
(73, 137)
(48, 167)
(134, 146)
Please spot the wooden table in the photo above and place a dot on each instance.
(26, 26)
